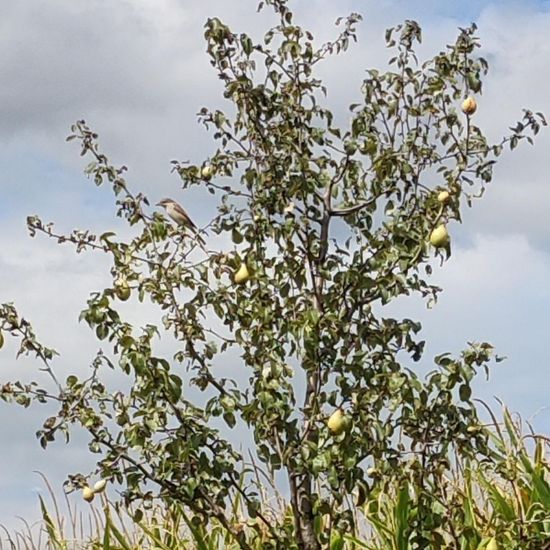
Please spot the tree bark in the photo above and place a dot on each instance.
(300, 488)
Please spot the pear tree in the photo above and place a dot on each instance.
(324, 226)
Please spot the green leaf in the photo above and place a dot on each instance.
(465, 392)
(53, 536)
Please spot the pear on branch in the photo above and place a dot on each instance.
(99, 486)
(122, 290)
(443, 197)
(88, 494)
(440, 237)
(469, 106)
(242, 274)
(207, 171)
(338, 422)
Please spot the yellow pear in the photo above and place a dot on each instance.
(87, 494)
(337, 422)
(439, 237)
(492, 544)
(100, 485)
(469, 106)
(122, 290)
(443, 197)
(1, 339)
(207, 171)
(242, 274)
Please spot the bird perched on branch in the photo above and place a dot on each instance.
(177, 213)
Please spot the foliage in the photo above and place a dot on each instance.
(332, 225)
(509, 503)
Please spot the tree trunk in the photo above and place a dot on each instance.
(300, 489)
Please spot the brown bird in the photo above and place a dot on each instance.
(177, 213)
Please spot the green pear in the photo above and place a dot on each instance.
(207, 172)
(99, 486)
(122, 290)
(242, 274)
(88, 494)
(1, 339)
(443, 197)
(439, 237)
(337, 422)
(350, 147)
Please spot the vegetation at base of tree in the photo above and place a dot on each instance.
(509, 504)
(322, 228)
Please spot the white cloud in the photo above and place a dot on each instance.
(496, 266)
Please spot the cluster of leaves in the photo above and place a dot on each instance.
(332, 224)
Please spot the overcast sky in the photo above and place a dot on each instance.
(137, 71)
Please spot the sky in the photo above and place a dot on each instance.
(137, 72)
